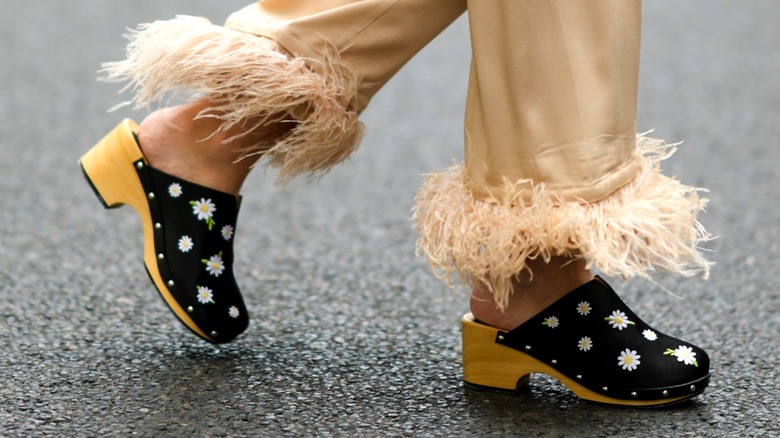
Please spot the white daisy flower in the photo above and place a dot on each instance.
(583, 308)
(175, 190)
(650, 335)
(619, 320)
(233, 312)
(227, 232)
(186, 244)
(204, 210)
(215, 266)
(551, 322)
(629, 360)
(205, 295)
(684, 354)
(585, 343)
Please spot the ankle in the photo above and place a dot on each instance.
(197, 150)
(549, 282)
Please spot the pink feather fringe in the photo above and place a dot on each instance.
(248, 78)
(649, 223)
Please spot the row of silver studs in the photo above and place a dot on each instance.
(634, 394)
(157, 226)
(162, 256)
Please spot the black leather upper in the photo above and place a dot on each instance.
(194, 229)
(591, 336)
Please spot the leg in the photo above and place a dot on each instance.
(553, 165)
(304, 80)
(556, 181)
(286, 84)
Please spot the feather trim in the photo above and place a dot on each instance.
(649, 223)
(248, 78)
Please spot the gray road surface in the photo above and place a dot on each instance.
(351, 334)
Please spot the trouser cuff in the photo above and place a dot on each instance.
(248, 78)
(648, 224)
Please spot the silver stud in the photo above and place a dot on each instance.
(527, 348)
(579, 376)
(500, 337)
(170, 283)
(157, 225)
(665, 393)
(605, 389)
(693, 388)
(151, 195)
(160, 256)
(190, 309)
(213, 334)
(140, 164)
(554, 362)
(634, 394)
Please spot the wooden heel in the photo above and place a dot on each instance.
(108, 167)
(490, 365)
(487, 364)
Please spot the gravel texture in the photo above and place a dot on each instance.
(351, 334)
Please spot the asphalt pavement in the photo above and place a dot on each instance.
(351, 334)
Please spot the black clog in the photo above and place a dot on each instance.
(590, 341)
(188, 234)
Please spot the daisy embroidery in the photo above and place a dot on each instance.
(233, 312)
(583, 308)
(205, 295)
(619, 320)
(215, 266)
(650, 335)
(227, 232)
(629, 360)
(551, 322)
(204, 210)
(683, 354)
(585, 343)
(185, 244)
(175, 190)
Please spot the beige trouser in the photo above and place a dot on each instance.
(553, 165)
(553, 85)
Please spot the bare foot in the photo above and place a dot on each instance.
(174, 142)
(551, 281)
